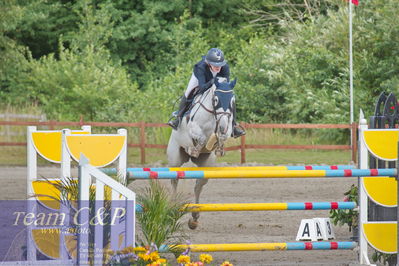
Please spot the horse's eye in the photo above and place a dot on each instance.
(215, 101)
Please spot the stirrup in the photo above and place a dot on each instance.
(174, 115)
(174, 123)
(240, 129)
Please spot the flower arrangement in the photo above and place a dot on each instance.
(149, 256)
(349, 217)
(185, 260)
(136, 256)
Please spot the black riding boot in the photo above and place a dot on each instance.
(237, 130)
(182, 108)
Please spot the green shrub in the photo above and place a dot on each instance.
(80, 84)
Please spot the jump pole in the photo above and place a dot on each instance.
(270, 206)
(262, 246)
(236, 174)
(225, 168)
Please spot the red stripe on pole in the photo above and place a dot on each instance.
(308, 167)
(334, 245)
(153, 175)
(308, 206)
(334, 205)
(180, 174)
(348, 172)
(334, 167)
(308, 246)
(146, 169)
(373, 172)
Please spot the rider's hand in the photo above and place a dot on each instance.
(207, 86)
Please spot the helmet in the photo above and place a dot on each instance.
(215, 57)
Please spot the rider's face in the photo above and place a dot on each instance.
(215, 68)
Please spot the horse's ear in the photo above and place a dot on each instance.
(233, 83)
(216, 82)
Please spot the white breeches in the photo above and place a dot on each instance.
(193, 83)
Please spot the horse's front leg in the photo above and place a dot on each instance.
(199, 140)
(195, 150)
(219, 151)
(193, 223)
(204, 160)
(174, 183)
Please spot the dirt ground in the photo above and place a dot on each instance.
(242, 227)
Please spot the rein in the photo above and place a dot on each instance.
(203, 97)
(212, 111)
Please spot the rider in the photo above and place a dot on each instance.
(205, 71)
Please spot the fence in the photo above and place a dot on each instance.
(143, 145)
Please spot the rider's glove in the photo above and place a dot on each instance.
(207, 86)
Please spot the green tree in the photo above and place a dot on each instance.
(11, 53)
(376, 51)
(42, 23)
(83, 80)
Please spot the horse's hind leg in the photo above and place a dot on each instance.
(205, 159)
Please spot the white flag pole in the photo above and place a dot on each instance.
(351, 69)
(350, 62)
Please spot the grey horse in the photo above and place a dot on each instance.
(202, 133)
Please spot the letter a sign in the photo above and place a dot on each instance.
(309, 230)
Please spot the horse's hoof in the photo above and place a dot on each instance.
(219, 153)
(194, 154)
(192, 224)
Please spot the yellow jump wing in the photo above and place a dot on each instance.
(382, 190)
(101, 150)
(382, 143)
(381, 235)
(48, 144)
(46, 193)
(47, 241)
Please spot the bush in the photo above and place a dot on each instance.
(78, 84)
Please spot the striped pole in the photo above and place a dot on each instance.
(261, 174)
(263, 246)
(300, 167)
(270, 206)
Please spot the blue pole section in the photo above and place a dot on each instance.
(361, 172)
(321, 205)
(320, 167)
(320, 245)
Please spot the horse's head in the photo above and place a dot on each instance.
(223, 102)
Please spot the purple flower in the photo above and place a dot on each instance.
(188, 248)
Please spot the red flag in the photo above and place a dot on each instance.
(355, 2)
